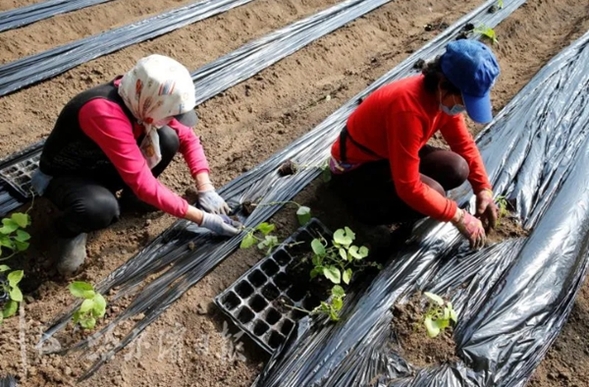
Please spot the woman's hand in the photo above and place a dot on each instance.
(471, 228)
(219, 224)
(208, 198)
(486, 208)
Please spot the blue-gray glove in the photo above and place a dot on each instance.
(210, 201)
(220, 224)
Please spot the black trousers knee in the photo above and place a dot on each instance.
(89, 203)
(370, 194)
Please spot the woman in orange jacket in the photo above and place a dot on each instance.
(382, 165)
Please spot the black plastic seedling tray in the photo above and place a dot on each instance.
(255, 302)
(18, 175)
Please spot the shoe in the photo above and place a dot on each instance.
(72, 254)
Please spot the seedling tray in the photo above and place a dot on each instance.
(255, 302)
(19, 175)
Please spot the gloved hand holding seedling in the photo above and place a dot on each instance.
(439, 315)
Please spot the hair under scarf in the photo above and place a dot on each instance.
(157, 88)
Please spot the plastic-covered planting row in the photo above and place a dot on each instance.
(257, 301)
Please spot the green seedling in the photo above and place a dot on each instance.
(334, 305)
(266, 242)
(439, 314)
(335, 260)
(487, 32)
(330, 308)
(13, 236)
(500, 4)
(93, 307)
(503, 204)
(13, 240)
(11, 288)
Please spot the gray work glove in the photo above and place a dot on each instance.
(220, 224)
(210, 201)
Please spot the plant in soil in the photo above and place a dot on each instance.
(487, 32)
(10, 291)
(13, 240)
(439, 315)
(93, 307)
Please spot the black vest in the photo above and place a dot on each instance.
(68, 150)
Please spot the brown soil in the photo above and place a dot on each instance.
(190, 345)
(414, 343)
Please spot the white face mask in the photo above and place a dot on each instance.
(454, 110)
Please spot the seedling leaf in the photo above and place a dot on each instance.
(333, 274)
(16, 294)
(434, 297)
(22, 220)
(342, 238)
(265, 228)
(316, 271)
(343, 253)
(304, 215)
(15, 277)
(82, 290)
(337, 304)
(22, 236)
(318, 247)
(337, 291)
(4, 268)
(99, 305)
(431, 328)
(347, 277)
(9, 226)
(10, 309)
(248, 241)
(87, 306)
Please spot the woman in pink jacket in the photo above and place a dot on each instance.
(120, 136)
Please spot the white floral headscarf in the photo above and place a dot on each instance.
(158, 87)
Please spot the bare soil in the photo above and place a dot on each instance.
(191, 344)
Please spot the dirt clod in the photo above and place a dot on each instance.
(287, 168)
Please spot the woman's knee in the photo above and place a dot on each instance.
(96, 211)
(433, 184)
(447, 168)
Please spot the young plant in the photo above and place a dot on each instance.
(500, 4)
(13, 240)
(439, 314)
(10, 288)
(330, 308)
(502, 203)
(267, 242)
(335, 261)
(13, 236)
(487, 32)
(334, 305)
(93, 307)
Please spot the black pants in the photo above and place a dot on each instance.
(369, 191)
(89, 203)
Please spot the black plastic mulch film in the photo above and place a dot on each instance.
(513, 297)
(34, 68)
(209, 80)
(195, 251)
(8, 381)
(22, 16)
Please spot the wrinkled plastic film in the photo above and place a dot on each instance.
(261, 182)
(518, 293)
(34, 68)
(22, 16)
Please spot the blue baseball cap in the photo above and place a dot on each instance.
(472, 67)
